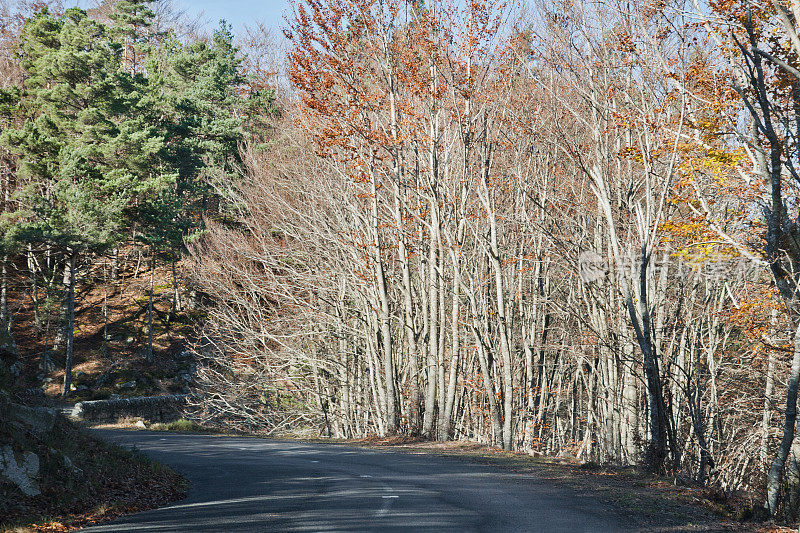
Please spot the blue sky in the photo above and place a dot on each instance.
(239, 12)
(236, 12)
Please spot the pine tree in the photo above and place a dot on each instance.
(199, 91)
(199, 94)
(203, 84)
(131, 20)
(98, 106)
(87, 150)
(130, 16)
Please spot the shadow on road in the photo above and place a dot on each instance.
(247, 484)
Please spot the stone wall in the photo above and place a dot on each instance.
(151, 408)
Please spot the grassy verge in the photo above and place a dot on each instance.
(181, 426)
(98, 481)
(138, 423)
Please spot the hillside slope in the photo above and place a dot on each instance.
(54, 476)
(111, 332)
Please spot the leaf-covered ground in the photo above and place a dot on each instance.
(107, 481)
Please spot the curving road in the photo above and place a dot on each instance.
(248, 484)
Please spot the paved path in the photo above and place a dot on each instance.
(248, 484)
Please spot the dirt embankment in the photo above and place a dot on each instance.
(57, 477)
(112, 356)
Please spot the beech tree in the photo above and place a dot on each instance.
(551, 232)
(479, 234)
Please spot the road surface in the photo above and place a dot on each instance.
(249, 484)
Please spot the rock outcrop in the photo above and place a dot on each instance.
(22, 430)
(22, 472)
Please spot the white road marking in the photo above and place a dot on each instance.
(387, 500)
(387, 503)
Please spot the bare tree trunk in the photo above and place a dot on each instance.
(105, 307)
(441, 386)
(384, 318)
(429, 417)
(176, 293)
(447, 416)
(775, 473)
(61, 332)
(657, 445)
(149, 355)
(70, 328)
(769, 387)
(502, 321)
(34, 275)
(115, 264)
(485, 367)
(408, 319)
(4, 318)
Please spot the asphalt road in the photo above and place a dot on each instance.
(248, 484)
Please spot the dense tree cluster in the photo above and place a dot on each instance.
(564, 231)
(568, 229)
(115, 134)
